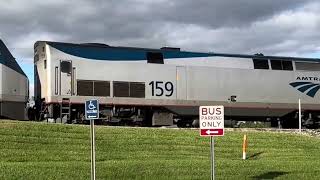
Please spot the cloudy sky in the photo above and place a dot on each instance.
(282, 27)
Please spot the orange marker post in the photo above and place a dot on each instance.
(244, 147)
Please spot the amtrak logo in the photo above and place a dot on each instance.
(309, 87)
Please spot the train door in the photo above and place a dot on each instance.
(66, 78)
(181, 83)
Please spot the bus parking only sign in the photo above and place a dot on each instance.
(211, 119)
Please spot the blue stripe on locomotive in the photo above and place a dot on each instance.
(104, 52)
(114, 53)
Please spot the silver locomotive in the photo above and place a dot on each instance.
(156, 87)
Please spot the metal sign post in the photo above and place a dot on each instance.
(212, 156)
(93, 154)
(92, 113)
(211, 119)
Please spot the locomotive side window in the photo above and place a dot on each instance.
(281, 65)
(276, 64)
(287, 65)
(84, 88)
(155, 57)
(56, 80)
(260, 64)
(101, 88)
(45, 64)
(137, 89)
(120, 89)
(65, 67)
(307, 66)
(128, 89)
(93, 88)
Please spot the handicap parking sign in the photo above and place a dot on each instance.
(92, 109)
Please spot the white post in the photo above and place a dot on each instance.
(93, 155)
(299, 115)
(212, 157)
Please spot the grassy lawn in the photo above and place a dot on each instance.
(32, 150)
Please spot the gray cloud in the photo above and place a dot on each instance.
(243, 26)
(224, 13)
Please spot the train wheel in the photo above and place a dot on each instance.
(180, 124)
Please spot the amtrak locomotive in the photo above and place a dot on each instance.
(14, 86)
(157, 87)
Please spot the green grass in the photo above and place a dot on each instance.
(30, 150)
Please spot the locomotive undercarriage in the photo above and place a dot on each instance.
(309, 120)
(66, 112)
(109, 115)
